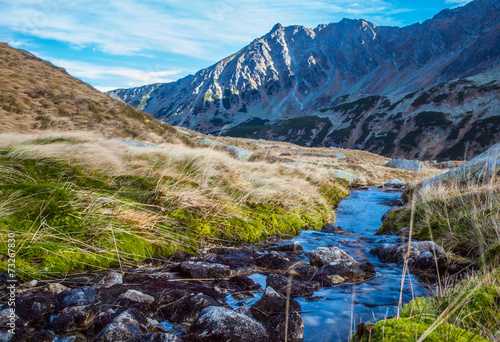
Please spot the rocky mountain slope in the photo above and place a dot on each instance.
(452, 120)
(295, 71)
(37, 96)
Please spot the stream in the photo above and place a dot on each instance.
(341, 308)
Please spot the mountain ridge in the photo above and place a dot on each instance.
(295, 71)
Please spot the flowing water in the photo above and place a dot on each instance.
(341, 308)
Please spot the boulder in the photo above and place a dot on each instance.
(479, 169)
(289, 247)
(204, 270)
(323, 255)
(338, 155)
(128, 324)
(301, 272)
(137, 296)
(369, 270)
(221, 324)
(347, 269)
(111, 279)
(233, 257)
(349, 177)
(81, 296)
(206, 141)
(240, 153)
(397, 252)
(290, 329)
(294, 288)
(184, 307)
(395, 184)
(413, 165)
(271, 305)
(274, 261)
(156, 337)
(9, 319)
(73, 318)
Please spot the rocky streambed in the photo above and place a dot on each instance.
(317, 286)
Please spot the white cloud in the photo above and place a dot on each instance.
(133, 77)
(197, 28)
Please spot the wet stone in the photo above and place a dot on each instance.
(289, 247)
(323, 255)
(73, 318)
(9, 319)
(222, 324)
(204, 270)
(294, 288)
(156, 337)
(111, 279)
(137, 296)
(56, 288)
(283, 328)
(272, 305)
(184, 307)
(128, 324)
(347, 269)
(369, 270)
(301, 272)
(81, 296)
(274, 261)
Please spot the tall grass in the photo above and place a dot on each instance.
(79, 202)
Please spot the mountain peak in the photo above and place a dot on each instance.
(277, 27)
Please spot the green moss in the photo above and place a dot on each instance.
(411, 329)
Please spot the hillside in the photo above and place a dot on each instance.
(37, 96)
(293, 72)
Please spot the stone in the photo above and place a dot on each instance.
(301, 272)
(448, 165)
(338, 155)
(477, 170)
(273, 304)
(81, 296)
(111, 279)
(32, 283)
(240, 153)
(395, 184)
(413, 165)
(334, 229)
(233, 257)
(294, 288)
(137, 296)
(205, 270)
(56, 288)
(73, 318)
(348, 269)
(185, 308)
(128, 324)
(6, 336)
(9, 319)
(206, 141)
(290, 329)
(222, 324)
(369, 270)
(274, 261)
(323, 255)
(156, 337)
(349, 177)
(289, 247)
(397, 252)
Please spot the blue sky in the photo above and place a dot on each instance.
(126, 43)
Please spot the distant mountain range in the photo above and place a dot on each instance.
(396, 91)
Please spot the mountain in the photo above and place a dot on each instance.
(37, 96)
(293, 72)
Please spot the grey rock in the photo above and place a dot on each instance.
(289, 247)
(294, 288)
(81, 296)
(137, 296)
(349, 177)
(323, 255)
(413, 165)
(128, 324)
(73, 318)
(206, 141)
(187, 308)
(290, 329)
(348, 269)
(369, 270)
(9, 319)
(6, 336)
(274, 261)
(339, 155)
(270, 306)
(222, 324)
(301, 272)
(395, 184)
(111, 279)
(240, 153)
(204, 270)
(397, 252)
(156, 337)
(477, 170)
